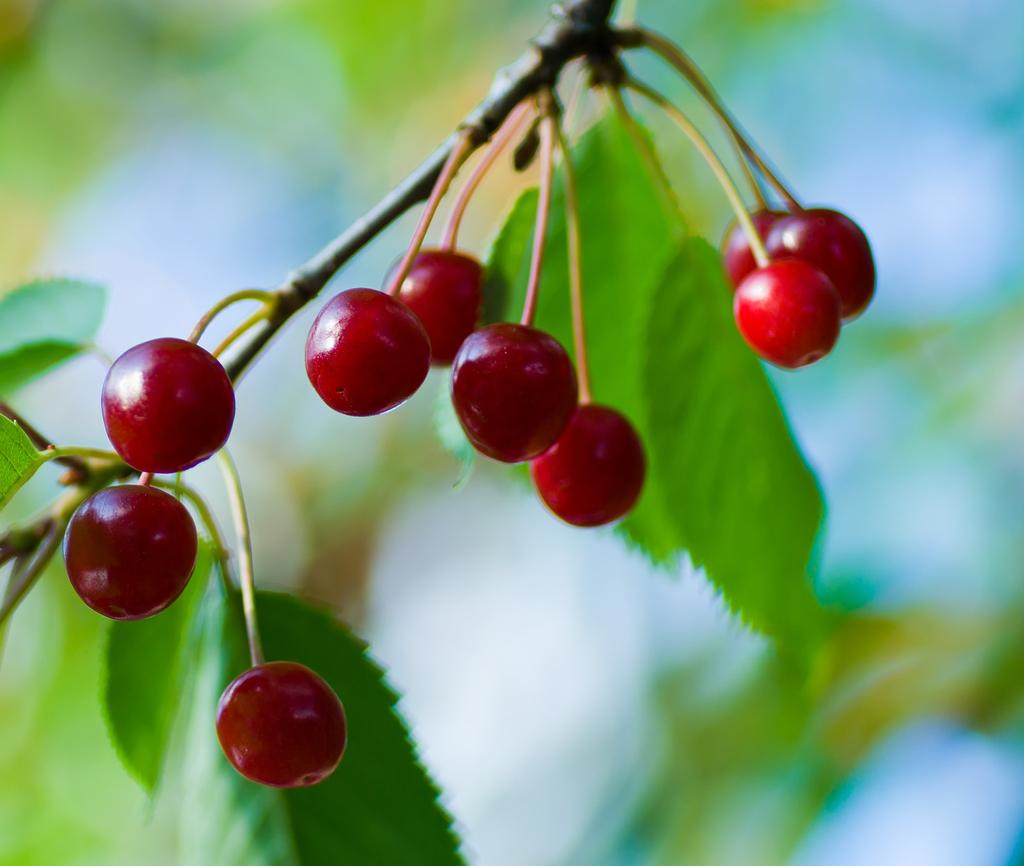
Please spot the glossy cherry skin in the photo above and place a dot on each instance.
(514, 390)
(736, 252)
(833, 243)
(444, 289)
(281, 725)
(130, 551)
(168, 404)
(594, 473)
(366, 353)
(788, 313)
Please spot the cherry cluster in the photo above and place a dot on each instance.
(513, 386)
(169, 404)
(130, 550)
(821, 275)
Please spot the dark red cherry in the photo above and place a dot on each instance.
(739, 258)
(514, 390)
(168, 404)
(281, 725)
(594, 473)
(130, 551)
(789, 313)
(445, 290)
(833, 243)
(366, 352)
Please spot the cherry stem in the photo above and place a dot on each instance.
(548, 127)
(647, 152)
(268, 298)
(716, 165)
(687, 67)
(243, 328)
(233, 483)
(572, 212)
(506, 132)
(464, 146)
(61, 455)
(205, 517)
(145, 479)
(41, 442)
(28, 569)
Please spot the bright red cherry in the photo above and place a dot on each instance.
(514, 390)
(168, 404)
(739, 258)
(281, 725)
(788, 312)
(444, 289)
(594, 473)
(130, 551)
(833, 243)
(366, 352)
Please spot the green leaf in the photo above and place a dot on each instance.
(43, 324)
(379, 807)
(664, 350)
(146, 672)
(735, 487)
(19, 459)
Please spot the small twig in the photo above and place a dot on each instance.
(246, 325)
(28, 570)
(498, 144)
(206, 518)
(575, 253)
(245, 564)
(460, 153)
(646, 149)
(42, 443)
(715, 164)
(268, 298)
(540, 230)
(636, 37)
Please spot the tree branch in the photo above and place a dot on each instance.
(577, 28)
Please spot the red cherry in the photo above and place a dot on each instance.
(281, 725)
(366, 353)
(789, 313)
(833, 243)
(514, 390)
(168, 404)
(445, 290)
(739, 258)
(594, 473)
(130, 551)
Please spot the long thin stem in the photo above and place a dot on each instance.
(459, 154)
(242, 328)
(540, 231)
(506, 132)
(687, 67)
(60, 454)
(572, 212)
(716, 165)
(205, 517)
(245, 565)
(41, 442)
(647, 152)
(268, 298)
(27, 572)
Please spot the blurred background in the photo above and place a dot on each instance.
(576, 706)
